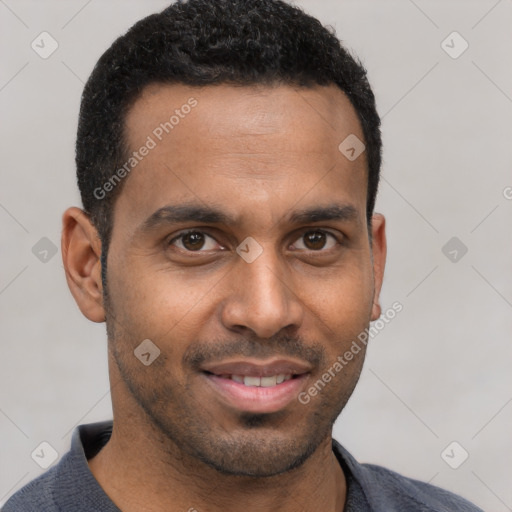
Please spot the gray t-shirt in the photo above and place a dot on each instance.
(69, 486)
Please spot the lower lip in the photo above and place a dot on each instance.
(256, 399)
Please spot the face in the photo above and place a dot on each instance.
(241, 249)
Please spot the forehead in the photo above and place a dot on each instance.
(245, 111)
(271, 144)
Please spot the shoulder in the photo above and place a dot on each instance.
(419, 496)
(36, 496)
(387, 490)
(69, 485)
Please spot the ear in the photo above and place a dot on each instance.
(81, 256)
(379, 250)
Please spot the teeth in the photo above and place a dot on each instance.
(264, 382)
(252, 381)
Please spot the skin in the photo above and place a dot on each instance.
(258, 153)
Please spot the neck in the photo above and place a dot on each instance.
(148, 472)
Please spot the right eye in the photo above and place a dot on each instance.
(193, 241)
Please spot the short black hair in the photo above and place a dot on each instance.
(204, 42)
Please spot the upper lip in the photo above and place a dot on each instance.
(257, 368)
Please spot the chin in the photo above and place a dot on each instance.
(253, 453)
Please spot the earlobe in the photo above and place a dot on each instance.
(81, 257)
(379, 250)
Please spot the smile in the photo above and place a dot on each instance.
(264, 382)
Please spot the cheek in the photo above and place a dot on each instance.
(344, 297)
(345, 314)
(341, 309)
(157, 303)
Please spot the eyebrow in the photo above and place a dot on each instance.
(322, 213)
(175, 214)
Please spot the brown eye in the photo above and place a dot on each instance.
(317, 240)
(193, 241)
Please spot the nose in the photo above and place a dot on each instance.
(262, 298)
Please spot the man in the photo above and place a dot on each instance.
(228, 158)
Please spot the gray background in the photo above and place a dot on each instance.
(438, 373)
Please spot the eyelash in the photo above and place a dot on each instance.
(316, 230)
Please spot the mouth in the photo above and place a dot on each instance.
(254, 381)
(256, 387)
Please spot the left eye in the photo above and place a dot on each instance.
(317, 240)
(193, 241)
